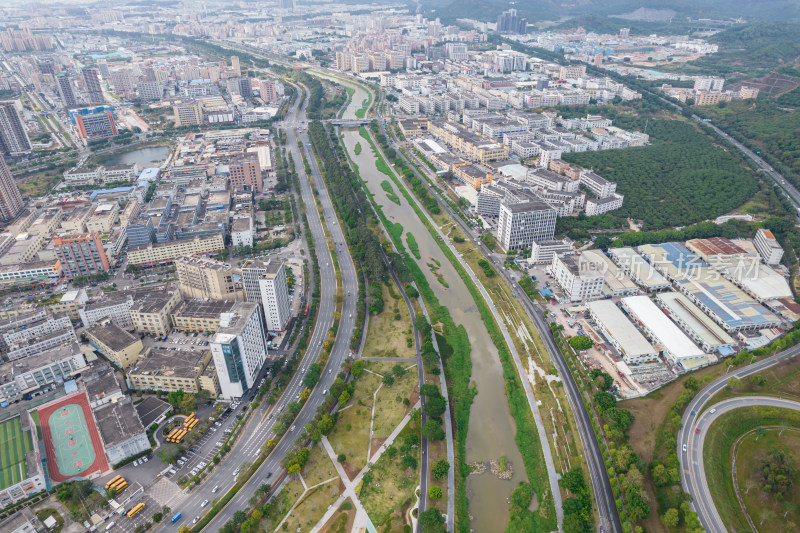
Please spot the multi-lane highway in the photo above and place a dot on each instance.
(694, 471)
(259, 431)
(692, 474)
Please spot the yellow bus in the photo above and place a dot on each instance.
(133, 512)
(191, 425)
(112, 481)
(189, 419)
(117, 483)
(173, 433)
(179, 437)
(119, 486)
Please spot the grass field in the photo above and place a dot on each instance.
(350, 435)
(14, 444)
(387, 336)
(717, 453)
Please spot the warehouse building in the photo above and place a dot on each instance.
(621, 333)
(640, 271)
(616, 282)
(699, 327)
(675, 346)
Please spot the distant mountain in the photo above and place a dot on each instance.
(535, 10)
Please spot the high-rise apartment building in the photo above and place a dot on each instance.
(240, 86)
(236, 68)
(245, 174)
(91, 84)
(188, 113)
(122, 82)
(265, 284)
(239, 349)
(65, 91)
(510, 22)
(10, 200)
(96, 125)
(13, 137)
(81, 255)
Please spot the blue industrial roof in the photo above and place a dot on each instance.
(110, 191)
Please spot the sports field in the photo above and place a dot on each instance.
(71, 440)
(14, 444)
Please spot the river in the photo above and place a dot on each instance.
(153, 156)
(491, 427)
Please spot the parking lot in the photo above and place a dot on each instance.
(177, 340)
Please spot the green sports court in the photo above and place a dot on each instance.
(14, 444)
(71, 440)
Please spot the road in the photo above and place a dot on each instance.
(789, 190)
(607, 510)
(259, 430)
(696, 475)
(702, 502)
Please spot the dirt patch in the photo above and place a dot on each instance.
(337, 524)
(351, 470)
(375, 445)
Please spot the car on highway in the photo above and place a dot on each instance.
(713, 411)
(684, 447)
(216, 488)
(196, 519)
(697, 430)
(292, 429)
(205, 502)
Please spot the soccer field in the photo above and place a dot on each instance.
(71, 440)
(14, 444)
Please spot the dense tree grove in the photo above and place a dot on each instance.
(680, 179)
(349, 200)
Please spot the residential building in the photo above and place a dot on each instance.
(140, 231)
(81, 254)
(24, 249)
(91, 86)
(265, 284)
(240, 86)
(201, 277)
(65, 91)
(578, 276)
(543, 251)
(245, 174)
(119, 346)
(599, 206)
(768, 247)
(13, 136)
(242, 231)
(188, 113)
(152, 315)
(30, 326)
(239, 349)
(521, 223)
(103, 218)
(708, 83)
(165, 252)
(599, 186)
(11, 203)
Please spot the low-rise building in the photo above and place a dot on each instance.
(600, 206)
(616, 283)
(152, 315)
(696, 324)
(121, 430)
(24, 376)
(200, 315)
(543, 251)
(621, 333)
(202, 277)
(115, 343)
(170, 370)
(166, 252)
(242, 231)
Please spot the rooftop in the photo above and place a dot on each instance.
(112, 336)
(616, 325)
(201, 308)
(671, 338)
(118, 422)
(181, 362)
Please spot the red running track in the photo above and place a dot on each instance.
(100, 464)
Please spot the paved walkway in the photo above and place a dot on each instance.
(392, 359)
(362, 520)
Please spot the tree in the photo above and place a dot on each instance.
(435, 492)
(604, 401)
(341, 458)
(408, 462)
(580, 342)
(671, 518)
(440, 469)
(169, 453)
(357, 369)
(343, 398)
(388, 380)
(431, 518)
(435, 406)
(432, 430)
(175, 398)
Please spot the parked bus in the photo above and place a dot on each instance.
(112, 481)
(133, 512)
(119, 488)
(173, 434)
(189, 420)
(117, 483)
(193, 424)
(176, 517)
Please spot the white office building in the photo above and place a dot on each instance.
(578, 276)
(265, 284)
(522, 223)
(239, 349)
(768, 247)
